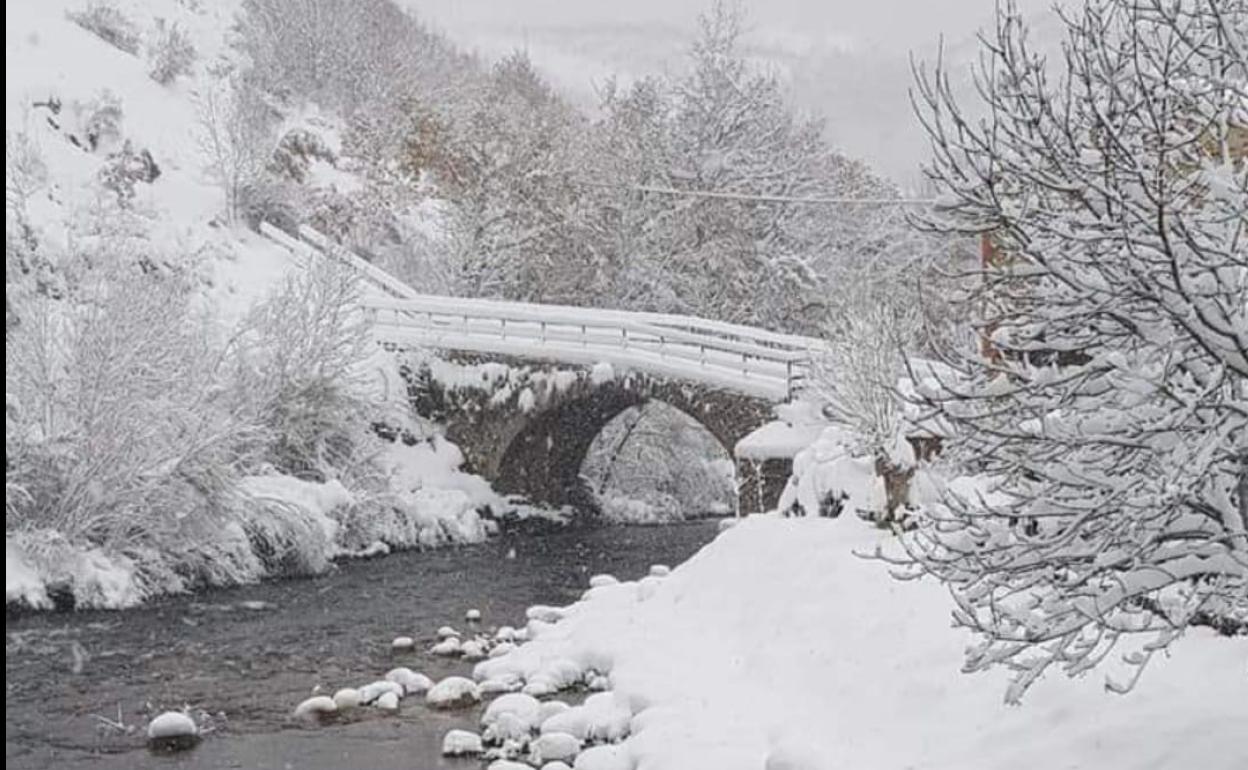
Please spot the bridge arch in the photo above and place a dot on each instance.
(535, 445)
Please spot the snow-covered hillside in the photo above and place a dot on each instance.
(108, 167)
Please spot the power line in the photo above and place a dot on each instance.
(673, 191)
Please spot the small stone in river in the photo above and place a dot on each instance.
(453, 692)
(461, 743)
(473, 650)
(449, 646)
(496, 685)
(556, 766)
(508, 764)
(597, 581)
(413, 683)
(505, 634)
(555, 747)
(446, 631)
(373, 691)
(501, 649)
(472, 616)
(388, 702)
(347, 698)
(403, 643)
(316, 707)
(660, 570)
(172, 731)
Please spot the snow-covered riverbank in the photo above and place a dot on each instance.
(774, 647)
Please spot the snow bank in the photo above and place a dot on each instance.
(776, 439)
(775, 647)
(829, 470)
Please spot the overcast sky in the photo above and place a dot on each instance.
(846, 59)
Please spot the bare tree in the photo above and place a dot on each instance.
(1109, 411)
(236, 135)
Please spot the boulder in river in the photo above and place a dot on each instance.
(172, 731)
(461, 743)
(316, 707)
(453, 692)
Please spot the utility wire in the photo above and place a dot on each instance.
(673, 191)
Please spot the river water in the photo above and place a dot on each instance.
(246, 656)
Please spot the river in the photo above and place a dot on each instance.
(246, 656)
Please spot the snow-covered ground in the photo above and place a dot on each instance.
(776, 647)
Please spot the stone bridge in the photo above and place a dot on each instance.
(527, 425)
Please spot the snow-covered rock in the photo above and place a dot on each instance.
(500, 684)
(316, 707)
(660, 570)
(453, 692)
(412, 682)
(555, 747)
(402, 643)
(448, 647)
(597, 581)
(172, 731)
(508, 764)
(461, 743)
(501, 649)
(526, 707)
(472, 616)
(605, 757)
(473, 650)
(550, 708)
(387, 701)
(505, 634)
(374, 690)
(544, 613)
(347, 698)
(447, 631)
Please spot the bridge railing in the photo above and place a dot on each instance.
(734, 356)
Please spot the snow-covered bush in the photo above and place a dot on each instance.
(107, 22)
(115, 435)
(236, 136)
(1108, 409)
(25, 171)
(297, 365)
(170, 54)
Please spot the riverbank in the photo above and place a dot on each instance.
(245, 656)
(775, 647)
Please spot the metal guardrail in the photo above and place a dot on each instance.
(732, 356)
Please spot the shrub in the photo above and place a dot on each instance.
(170, 53)
(109, 24)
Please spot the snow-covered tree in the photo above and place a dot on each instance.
(1109, 413)
(701, 181)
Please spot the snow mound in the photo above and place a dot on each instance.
(688, 694)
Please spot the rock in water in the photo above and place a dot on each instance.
(316, 707)
(412, 682)
(660, 570)
(473, 616)
(453, 692)
(403, 643)
(555, 747)
(461, 743)
(347, 698)
(388, 701)
(172, 731)
(374, 690)
(598, 581)
(448, 647)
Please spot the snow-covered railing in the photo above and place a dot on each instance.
(733, 356)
